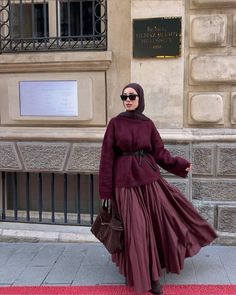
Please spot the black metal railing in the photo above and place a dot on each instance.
(49, 198)
(29, 25)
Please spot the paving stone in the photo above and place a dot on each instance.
(32, 276)
(78, 247)
(90, 275)
(231, 273)
(228, 258)
(6, 253)
(56, 284)
(112, 275)
(65, 268)
(15, 265)
(219, 250)
(41, 264)
(8, 275)
(47, 255)
(187, 275)
(96, 256)
(209, 269)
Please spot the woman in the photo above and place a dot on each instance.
(161, 226)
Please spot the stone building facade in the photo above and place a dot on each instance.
(190, 98)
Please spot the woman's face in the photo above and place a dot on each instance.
(129, 104)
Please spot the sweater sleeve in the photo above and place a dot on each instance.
(106, 163)
(174, 165)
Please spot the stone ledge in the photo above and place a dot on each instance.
(43, 232)
(58, 233)
(212, 3)
(95, 134)
(225, 238)
(60, 62)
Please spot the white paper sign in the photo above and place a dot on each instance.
(49, 98)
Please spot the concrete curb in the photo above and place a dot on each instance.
(44, 232)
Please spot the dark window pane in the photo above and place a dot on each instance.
(87, 18)
(41, 20)
(24, 24)
(71, 14)
(70, 19)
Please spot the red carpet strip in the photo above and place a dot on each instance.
(118, 290)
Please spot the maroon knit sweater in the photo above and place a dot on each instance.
(126, 134)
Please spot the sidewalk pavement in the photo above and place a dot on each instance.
(30, 261)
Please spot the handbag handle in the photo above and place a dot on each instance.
(113, 207)
(105, 205)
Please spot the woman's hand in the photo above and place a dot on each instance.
(189, 168)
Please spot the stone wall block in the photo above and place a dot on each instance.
(214, 190)
(84, 157)
(212, 3)
(9, 159)
(177, 150)
(226, 164)
(181, 185)
(227, 218)
(208, 30)
(234, 30)
(212, 68)
(207, 211)
(206, 108)
(203, 160)
(42, 156)
(233, 108)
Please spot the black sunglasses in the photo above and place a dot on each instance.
(130, 96)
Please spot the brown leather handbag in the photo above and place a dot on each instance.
(108, 228)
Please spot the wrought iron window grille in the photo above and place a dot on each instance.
(52, 25)
(49, 198)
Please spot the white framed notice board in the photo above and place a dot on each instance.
(56, 98)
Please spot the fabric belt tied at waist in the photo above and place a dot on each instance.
(140, 154)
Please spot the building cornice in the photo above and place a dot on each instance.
(62, 61)
(95, 134)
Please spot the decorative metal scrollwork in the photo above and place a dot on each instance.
(12, 42)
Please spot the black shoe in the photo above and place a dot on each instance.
(156, 288)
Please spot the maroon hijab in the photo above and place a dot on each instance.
(138, 112)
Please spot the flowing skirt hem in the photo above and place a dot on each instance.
(161, 228)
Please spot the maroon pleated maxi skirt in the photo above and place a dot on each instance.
(161, 229)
